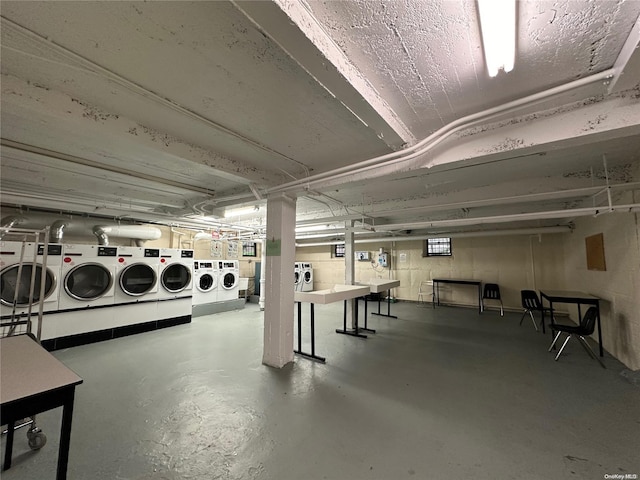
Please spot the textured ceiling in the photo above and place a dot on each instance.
(169, 111)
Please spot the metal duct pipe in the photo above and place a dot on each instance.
(138, 232)
(201, 236)
(7, 223)
(487, 233)
(57, 231)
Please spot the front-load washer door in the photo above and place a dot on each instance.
(175, 278)
(11, 282)
(137, 279)
(206, 282)
(229, 281)
(88, 281)
(307, 277)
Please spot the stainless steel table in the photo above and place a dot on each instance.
(567, 296)
(34, 381)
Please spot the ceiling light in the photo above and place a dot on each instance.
(498, 25)
(237, 212)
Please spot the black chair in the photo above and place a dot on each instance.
(531, 303)
(492, 292)
(586, 327)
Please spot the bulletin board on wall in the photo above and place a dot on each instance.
(595, 253)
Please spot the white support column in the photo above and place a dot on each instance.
(280, 249)
(349, 267)
(263, 270)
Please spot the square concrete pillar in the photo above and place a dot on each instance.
(280, 246)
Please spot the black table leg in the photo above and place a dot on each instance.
(312, 355)
(599, 329)
(65, 435)
(366, 329)
(354, 332)
(9, 448)
(388, 314)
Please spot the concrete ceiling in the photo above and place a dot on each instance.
(371, 111)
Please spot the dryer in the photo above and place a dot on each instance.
(176, 267)
(297, 277)
(137, 274)
(307, 277)
(15, 279)
(88, 276)
(228, 274)
(205, 282)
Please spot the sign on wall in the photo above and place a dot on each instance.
(216, 249)
(232, 250)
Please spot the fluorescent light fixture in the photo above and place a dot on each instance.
(498, 25)
(237, 212)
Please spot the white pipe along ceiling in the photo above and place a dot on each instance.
(381, 113)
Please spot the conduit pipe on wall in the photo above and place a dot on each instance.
(438, 136)
(139, 233)
(487, 233)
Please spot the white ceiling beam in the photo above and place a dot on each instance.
(293, 27)
(627, 66)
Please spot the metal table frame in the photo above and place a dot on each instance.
(578, 298)
(339, 292)
(436, 290)
(47, 384)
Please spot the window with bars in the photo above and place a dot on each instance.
(437, 247)
(338, 250)
(249, 249)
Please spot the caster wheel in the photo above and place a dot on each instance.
(36, 439)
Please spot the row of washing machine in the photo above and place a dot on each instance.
(82, 280)
(215, 281)
(303, 274)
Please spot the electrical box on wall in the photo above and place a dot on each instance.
(362, 256)
(382, 259)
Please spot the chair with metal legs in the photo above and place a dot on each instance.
(531, 303)
(425, 290)
(492, 292)
(586, 328)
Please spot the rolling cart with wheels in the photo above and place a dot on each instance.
(19, 289)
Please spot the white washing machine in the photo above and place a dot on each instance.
(88, 276)
(205, 282)
(297, 277)
(228, 275)
(13, 279)
(307, 277)
(176, 267)
(137, 274)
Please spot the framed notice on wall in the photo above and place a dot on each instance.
(595, 253)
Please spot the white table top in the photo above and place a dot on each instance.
(378, 285)
(27, 369)
(331, 295)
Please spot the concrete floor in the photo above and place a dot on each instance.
(435, 394)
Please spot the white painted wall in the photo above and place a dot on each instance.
(618, 286)
(556, 261)
(513, 262)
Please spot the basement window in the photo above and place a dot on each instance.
(437, 247)
(338, 251)
(249, 249)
